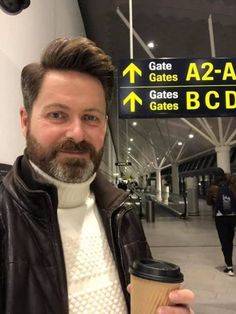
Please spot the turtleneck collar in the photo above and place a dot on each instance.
(70, 195)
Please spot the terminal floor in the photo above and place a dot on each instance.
(193, 244)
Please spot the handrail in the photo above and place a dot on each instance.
(177, 204)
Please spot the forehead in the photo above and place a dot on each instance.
(71, 88)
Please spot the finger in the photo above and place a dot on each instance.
(175, 310)
(129, 288)
(182, 296)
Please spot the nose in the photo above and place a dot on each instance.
(76, 130)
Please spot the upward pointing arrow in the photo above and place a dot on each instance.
(132, 69)
(132, 98)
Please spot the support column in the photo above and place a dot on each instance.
(223, 157)
(175, 178)
(166, 193)
(158, 184)
(142, 181)
(192, 196)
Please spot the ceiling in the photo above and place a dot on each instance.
(179, 29)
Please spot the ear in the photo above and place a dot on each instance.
(24, 121)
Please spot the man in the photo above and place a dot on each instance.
(68, 236)
(222, 196)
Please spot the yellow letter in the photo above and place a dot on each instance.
(227, 99)
(207, 100)
(192, 97)
(153, 105)
(152, 77)
(229, 72)
(193, 72)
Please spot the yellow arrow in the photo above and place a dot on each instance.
(132, 98)
(132, 69)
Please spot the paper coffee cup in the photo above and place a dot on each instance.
(151, 283)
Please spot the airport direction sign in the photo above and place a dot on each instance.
(177, 87)
(123, 163)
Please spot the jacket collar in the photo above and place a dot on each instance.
(31, 190)
(107, 195)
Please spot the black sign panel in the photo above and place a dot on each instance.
(123, 163)
(170, 87)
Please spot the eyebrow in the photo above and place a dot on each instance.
(57, 105)
(65, 107)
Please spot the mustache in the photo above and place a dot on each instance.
(81, 147)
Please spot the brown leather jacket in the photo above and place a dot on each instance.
(32, 269)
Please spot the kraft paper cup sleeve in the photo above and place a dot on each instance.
(151, 283)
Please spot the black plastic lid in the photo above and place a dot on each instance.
(156, 270)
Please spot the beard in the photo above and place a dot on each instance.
(68, 169)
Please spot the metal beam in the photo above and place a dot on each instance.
(209, 129)
(198, 131)
(228, 128)
(220, 131)
(228, 142)
(136, 35)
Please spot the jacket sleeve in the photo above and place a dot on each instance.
(2, 262)
(1, 265)
(133, 243)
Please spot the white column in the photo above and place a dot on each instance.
(165, 194)
(158, 184)
(223, 157)
(175, 178)
(192, 196)
(142, 181)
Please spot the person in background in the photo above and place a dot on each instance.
(225, 219)
(65, 247)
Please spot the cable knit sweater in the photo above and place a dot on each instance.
(93, 283)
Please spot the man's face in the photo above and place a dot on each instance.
(66, 130)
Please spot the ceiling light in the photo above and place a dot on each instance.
(151, 44)
(157, 158)
(116, 174)
(129, 148)
(134, 123)
(180, 143)
(131, 139)
(191, 135)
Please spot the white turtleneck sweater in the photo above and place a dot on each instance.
(93, 283)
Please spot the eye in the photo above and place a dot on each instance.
(56, 115)
(90, 118)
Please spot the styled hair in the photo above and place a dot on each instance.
(74, 54)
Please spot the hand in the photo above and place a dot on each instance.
(180, 301)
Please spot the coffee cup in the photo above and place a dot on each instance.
(151, 283)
